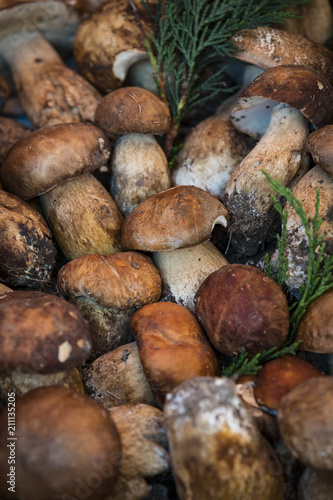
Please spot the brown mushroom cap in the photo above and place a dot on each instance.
(67, 444)
(10, 132)
(172, 346)
(280, 376)
(180, 217)
(132, 109)
(51, 155)
(239, 307)
(268, 47)
(122, 280)
(320, 145)
(316, 327)
(303, 88)
(41, 332)
(305, 422)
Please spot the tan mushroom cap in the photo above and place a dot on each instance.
(303, 88)
(268, 47)
(132, 109)
(51, 155)
(316, 328)
(180, 217)
(41, 333)
(320, 145)
(121, 280)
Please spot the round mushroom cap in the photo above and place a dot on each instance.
(122, 280)
(132, 110)
(51, 155)
(268, 47)
(316, 327)
(320, 145)
(305, 422)
(42, 333)
(180, 217)
(303, 88)
(67, 442)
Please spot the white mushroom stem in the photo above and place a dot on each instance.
(182, 271)
(281, 153)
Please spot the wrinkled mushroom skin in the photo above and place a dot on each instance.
(166, 331)
(27, 251)
(268, 47)
(41, 333)
(240, 307)
(319, 144)
(316, 327)
(305, 422)
(216, 449)
(83, 217)
(10, 132)
(69, 439)
(117, 378)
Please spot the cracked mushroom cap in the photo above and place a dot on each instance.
(268, 47)
(302, 88)
(320, 145)
(180, 217)
(132, 110)
(41, 333)
(67, 441)
(51, 155)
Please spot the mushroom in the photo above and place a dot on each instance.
(166, 331)
(268, 47)
(67, 446)
(319, 144)
(240, 307)
(116, 378)
(10, 132)
(42, 338)
(144, 450)
(49, 91)
(299, 94)
(27, 251)
(108, 289)
(216, 449)
(305, 422)
(108, 43)
(168, 224)
(49, 163)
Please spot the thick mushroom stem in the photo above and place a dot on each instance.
(49, 91)
(281, 153)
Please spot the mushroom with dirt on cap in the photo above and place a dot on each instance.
(50, 163)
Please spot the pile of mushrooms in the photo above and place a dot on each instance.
(126, 288)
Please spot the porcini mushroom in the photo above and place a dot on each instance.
(49, 163)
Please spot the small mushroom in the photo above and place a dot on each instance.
(319, 144)
(116, 378)
(305, 422)
(216, 449)
(40, 334)
(50, 163)
(67, 446)
(240, 307)
(108, 289)
(166, 331)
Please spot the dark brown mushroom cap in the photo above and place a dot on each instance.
(41, 332)
(180, 217)
(305, 422)
(316, 328)
(303, 88)
(121, 280)
(132, 110)
(51, 155)
(67, 444)
(10, 132)
(240, 307)
(320, 145)
(268, 47)
(280, 376)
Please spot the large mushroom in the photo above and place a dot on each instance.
(50, 163)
